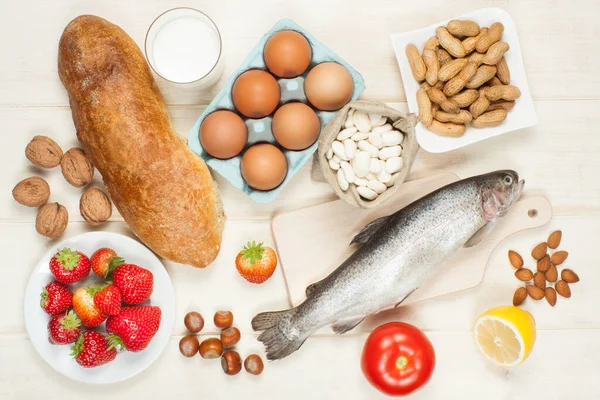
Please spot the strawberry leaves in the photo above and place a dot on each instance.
(253, 251)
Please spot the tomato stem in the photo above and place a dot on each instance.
(401, 362)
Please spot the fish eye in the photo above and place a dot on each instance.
(508, 180)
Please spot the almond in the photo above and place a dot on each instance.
(539, 251)
(523, 274)
(563, 289)
(543, 265)
(559, 257)
(539, 280)
(554, 239)
(519, 296)
(552, 273)
(535, 292)
(569, 276)
(550, 296)
(515, 259)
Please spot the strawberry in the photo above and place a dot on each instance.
(64, 328)
(69, 266)
(108, 300)
(134, 327)
(104, 261)
(87, 311)
(134, 282)
(56, 298)
(256, 263)
(92, 350)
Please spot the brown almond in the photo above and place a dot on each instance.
(569, 276)
(559, 257)
(552, 273)
(543, 265)
(524, 274)
(550, 296)
(539, 251)
(539, 280)
(554, 239)
(563, 289)
(535, 292)
(519, 296)
(515, 259)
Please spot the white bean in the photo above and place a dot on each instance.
(329, 154)
(375, 166)
(383, 176)
(338, 150)
(334, 165)
(348, 171)
(369, 148)
(389, 152)
(394, 164)
(367, 193)
(349, 148)
(336, 159)
(382, 121)
(360, 136)
(349, 122)
(342, 182)
(393, 180)
(377, 186)
(375, 139)
(391, 138)
(383, 128)
(361, 163)
(372, 176)
(361, 182)
(361, 121)
(346, 133)
(374, 118)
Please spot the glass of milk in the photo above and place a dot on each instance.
(184, 46)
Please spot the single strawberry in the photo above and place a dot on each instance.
(134, 327)
(108, 300)
(69, 266)
(256, 263)
(134, 282)
(64, 328)
(56, 298)
(87, 311)
(92, 350)
(104, 261)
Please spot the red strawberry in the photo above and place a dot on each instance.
(108, 300)
(256, 263)
(104, 261)
(134, 327)
(87, 311)
(64, 328)
(56, 298)
(69, 266)
(92, 350)
(135, 283)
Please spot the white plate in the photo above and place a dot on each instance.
(521, 116)
(126, 364)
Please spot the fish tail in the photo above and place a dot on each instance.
(278, 344)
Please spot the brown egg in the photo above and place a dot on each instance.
(264, 166)
(296, 126)
(287, 54)
(328, 86)
(255, 93)
(223, 134)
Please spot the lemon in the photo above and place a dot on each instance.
(505, 335)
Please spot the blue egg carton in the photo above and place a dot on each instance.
(259, 130)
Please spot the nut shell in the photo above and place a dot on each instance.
(535, 292)
(32, 192)
(223, 319)
(539, 251)
(554, 239)
(563, 289)
(231, 362)
(524, 274)
(193, 321)
(550, 294)
(95, 206)
(253, 364)
(230, 337)
(569, 276)
(211, 348)
(515, 259)
(519, 296)
(43, 152)
(189, 345)
(559, 257)
(76, 168)
(51, 220)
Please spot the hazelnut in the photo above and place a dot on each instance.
(193, 321)
(253, 364)
(43, 152)
(76, 168)
(230, 337)
(188, 345)
(211, 348)
(231, 362)
(223, 319)
(95, 206)
(32, 192)
(51, 220)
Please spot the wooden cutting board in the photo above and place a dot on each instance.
(313, 241)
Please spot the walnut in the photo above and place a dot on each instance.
(51, 220)
(95, 206)
(76, 168)
(32, 192)
(43, 152)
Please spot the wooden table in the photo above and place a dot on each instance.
(559, 158)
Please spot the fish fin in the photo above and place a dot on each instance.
(277, 344)
(266, 320)
(481, 233)
(347, 324)
(404, 298)
(368, 231)
(310, 289)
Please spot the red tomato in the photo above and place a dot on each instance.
(398, 358)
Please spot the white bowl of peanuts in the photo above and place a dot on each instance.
(465, 78)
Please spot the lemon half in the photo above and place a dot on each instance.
(505, 335)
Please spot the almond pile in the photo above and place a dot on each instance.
(538, 284)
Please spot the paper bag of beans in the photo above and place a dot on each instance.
(365, 152)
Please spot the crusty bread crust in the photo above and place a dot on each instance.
(163, 191)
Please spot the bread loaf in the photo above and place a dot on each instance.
(163, 191)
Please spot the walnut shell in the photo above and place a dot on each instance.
(51, 220)
(95, 206)
(76, 168)
(32, 192)
(43, 152)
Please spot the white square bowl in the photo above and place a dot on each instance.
(521, 116)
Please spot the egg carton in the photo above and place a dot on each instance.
(259, 130)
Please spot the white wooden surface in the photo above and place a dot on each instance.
(558, 158)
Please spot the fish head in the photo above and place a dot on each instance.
(499, 191)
